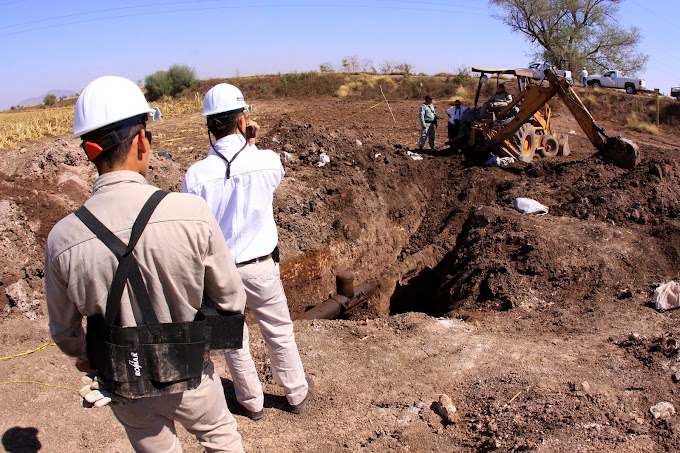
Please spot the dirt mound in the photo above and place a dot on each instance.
(650, 193)
(504, 259)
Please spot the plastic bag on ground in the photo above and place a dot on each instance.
(667, 296)
(495, 161)
(414, 156)
(323, 160)
(529, 206)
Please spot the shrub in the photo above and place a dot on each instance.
(169, 83)
(14, 107)
(180, 77)
(326, 67)
(463, 76)
(49, 100)
(405, 69)
(157, 85)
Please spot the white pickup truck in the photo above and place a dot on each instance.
(614, 79)
(538, 68)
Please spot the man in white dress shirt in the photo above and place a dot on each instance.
(455, 113)
(238, 181)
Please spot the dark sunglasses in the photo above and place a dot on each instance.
(148, 135)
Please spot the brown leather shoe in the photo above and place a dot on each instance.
(300, 408)
(255, 416)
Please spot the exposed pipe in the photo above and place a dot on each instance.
(347, 298)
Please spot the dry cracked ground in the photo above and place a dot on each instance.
(539, 329)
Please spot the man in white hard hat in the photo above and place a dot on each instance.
(137, 266)
(238, 181)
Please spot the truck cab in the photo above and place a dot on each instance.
(675, 92)
(538, 69)
(614, 79)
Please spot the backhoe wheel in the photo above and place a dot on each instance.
(525, 141)
(550, 146)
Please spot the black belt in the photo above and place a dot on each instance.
(255, 260)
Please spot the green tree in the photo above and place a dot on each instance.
(575, 33)
(157, 85)
(180, 77)
(49, 100)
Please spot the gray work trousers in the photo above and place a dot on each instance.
(427, 133)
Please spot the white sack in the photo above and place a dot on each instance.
(667, 296)
(529, 206)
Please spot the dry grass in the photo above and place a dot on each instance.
(172, 107)
(363, 82)
(636, 124)
(25, 126)
(20, 127)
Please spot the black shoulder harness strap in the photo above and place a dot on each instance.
(128, 268)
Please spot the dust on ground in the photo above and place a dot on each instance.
(540, 329)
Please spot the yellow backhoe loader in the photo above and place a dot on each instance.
(524, 127)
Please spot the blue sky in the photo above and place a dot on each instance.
(65, 44)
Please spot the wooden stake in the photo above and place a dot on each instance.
(656, 90)
(388, 104)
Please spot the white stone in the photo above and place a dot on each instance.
(663, 410)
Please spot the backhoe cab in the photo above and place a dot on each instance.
(524, 127)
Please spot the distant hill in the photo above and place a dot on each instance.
(39, 99)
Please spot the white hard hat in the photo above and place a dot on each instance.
(108, 100)
(223, 97)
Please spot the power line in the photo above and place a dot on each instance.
(137, 14)
(107, 10)
(9, 3)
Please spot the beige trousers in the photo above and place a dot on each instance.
(267, 301)
(149, 422)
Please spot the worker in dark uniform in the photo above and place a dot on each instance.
(174, 257)
(428, 123)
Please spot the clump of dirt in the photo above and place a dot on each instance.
(653, 352)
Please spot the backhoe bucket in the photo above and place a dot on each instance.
(622, 151)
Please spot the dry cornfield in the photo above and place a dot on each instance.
(25, 126)
(21, 127)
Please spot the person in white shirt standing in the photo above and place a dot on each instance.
(238, 181)
(455, 113)
(584, 76)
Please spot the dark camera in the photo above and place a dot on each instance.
(250, 132)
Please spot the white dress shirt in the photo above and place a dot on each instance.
(242, 204)
(456, 113)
